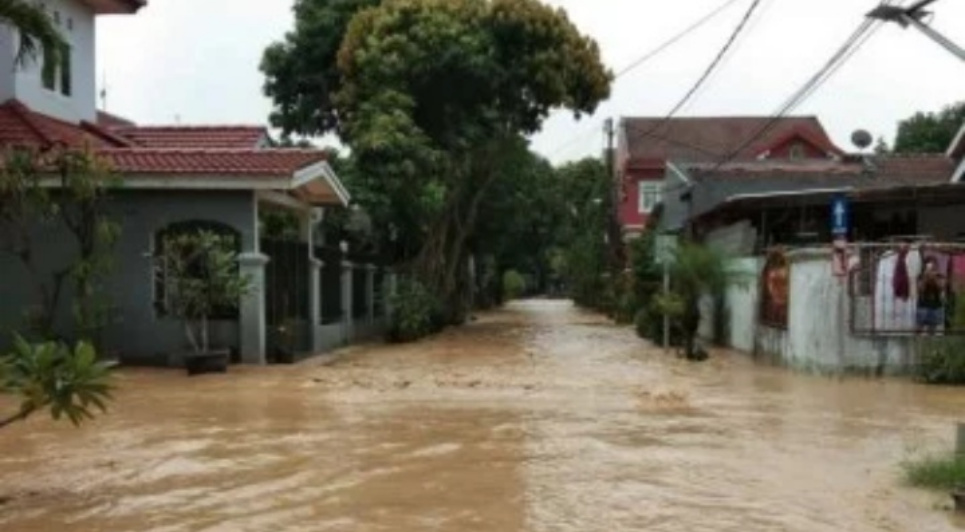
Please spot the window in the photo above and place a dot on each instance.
(651, 193)
(66, 71)
(48, 76)
(797, 151)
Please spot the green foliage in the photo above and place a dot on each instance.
(78, 206)
(514, 286)
(942, 360)
(930, 132)
(301, 71)
(200, 273)
(583, 190)
(71, 383)
(936, 472)
(38, 33)
(434, 97)
(698, 270)
(416, 312)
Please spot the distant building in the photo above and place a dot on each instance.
(646, 146)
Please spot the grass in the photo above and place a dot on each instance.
(936, 472)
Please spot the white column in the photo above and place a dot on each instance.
(315, 299)
(252, 311)
(347, 318)
(314, 319)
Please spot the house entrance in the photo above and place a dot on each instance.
(287, 298)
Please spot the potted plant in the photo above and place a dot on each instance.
(200, 274)
(287, 340)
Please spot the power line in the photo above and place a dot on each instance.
(841, 56)
(647, 57)
(673, 40)
(705, 76)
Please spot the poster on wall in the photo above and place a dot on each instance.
(775, 290)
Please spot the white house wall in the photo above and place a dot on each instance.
(28, 87)
(7, 53)
(818, 337)
(743, 300)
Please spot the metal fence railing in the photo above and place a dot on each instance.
(891, 293)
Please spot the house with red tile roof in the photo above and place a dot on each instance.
(818, 243)
(646, 145)
(224, 177)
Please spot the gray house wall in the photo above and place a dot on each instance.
(136, 333)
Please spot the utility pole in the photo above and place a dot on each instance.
(613, 224)
(913, 16)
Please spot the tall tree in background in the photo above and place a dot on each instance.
(431, 95)
(37, 31)
(930, 132)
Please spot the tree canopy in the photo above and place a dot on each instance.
(930, 132)
(433, 97)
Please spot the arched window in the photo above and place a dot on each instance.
(160, 274)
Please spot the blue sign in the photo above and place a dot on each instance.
(840, 216)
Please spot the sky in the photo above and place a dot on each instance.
(196, 62)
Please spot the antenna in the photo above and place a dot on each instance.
(862, 140)
(103, 93)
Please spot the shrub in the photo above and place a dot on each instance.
(416, 312)
(936, 472)
(514, 285)
(942, 361)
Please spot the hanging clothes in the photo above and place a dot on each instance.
(892, 314)
(900, 282)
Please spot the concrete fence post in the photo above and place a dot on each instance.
(315, 302)
(370, 292)
(252, 309)
(348, 320)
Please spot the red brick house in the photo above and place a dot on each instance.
(646, 145)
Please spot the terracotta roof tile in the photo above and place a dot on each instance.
(110, 121)
(888, 170)
(223, 151)
(696, 139)
(19, 126)
(194, 137)
(273, 163)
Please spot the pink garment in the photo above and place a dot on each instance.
(958, 271)
(900, 283)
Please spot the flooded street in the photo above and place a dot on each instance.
(535, 418)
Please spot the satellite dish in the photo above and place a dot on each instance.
(862, 139)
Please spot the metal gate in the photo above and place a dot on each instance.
(287, 298)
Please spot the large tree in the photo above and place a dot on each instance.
(431, 95)
(930, 132)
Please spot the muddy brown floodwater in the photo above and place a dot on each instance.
(535, 418)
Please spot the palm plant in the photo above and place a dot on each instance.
(38, 33)
(697, 271)
(49, 375)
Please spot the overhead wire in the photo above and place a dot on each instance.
(649, 56)
(865, 30)
(728, 45)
